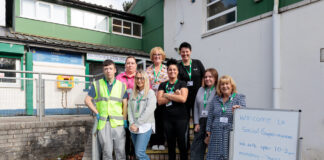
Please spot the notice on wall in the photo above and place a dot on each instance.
(265, 134)
(103, 57)
(57, 57)
(2, 13)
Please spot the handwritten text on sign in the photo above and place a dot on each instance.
(265, 134)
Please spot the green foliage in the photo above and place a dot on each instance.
(127, 5)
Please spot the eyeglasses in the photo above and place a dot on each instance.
(157, 54)
(139, 78)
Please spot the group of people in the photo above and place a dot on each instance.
(149, 106)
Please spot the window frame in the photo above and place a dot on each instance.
(219, 15)
(36, 10)
(122, 26)
(96, 20)
(18, 75)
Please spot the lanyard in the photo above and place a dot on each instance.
(222, 105)
(167, 85)
(138, 101)
(206, 97)
(189, 72)
(111, 86)
(156, 76)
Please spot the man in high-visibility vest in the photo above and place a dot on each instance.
(110, 97)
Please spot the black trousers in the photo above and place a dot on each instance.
(129, 147)
(176, 131)
(158, 138)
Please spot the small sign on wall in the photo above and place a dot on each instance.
(103, 57)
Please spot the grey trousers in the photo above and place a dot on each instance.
(112, 139)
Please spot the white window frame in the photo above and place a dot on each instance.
(83, 25)
(37, 12)
(219, 15)
(122, 31)
(18, 81)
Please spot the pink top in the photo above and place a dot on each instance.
(128, 80)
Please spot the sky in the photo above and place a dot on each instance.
(117, 4)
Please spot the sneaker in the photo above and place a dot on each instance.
(155, 147)
(161, 147)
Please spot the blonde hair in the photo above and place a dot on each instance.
(223, 79)
(157, 49)
(146, 84)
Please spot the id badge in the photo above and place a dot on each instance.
(204, 113)
(136, 114)
(155, 87)
(168, 104)
(223, 119)
(190, 83)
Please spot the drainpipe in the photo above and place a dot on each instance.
(276, 55)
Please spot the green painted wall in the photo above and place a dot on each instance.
(248, 8)
(29, 84)
(66, 32)
(153, 24)
(11, 48)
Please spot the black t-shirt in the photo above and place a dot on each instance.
(176, 110)
(197, 74)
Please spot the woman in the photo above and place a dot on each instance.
(220, 118)
(204, 96)
(141, 106)
(191, 71)
(173, 95)
(128, 78)
(157, 73)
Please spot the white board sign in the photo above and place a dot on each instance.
(103, 57)
(261, 134)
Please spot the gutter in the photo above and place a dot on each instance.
(276, 56)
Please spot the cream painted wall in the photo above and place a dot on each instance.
(245, 52)
(53, 95)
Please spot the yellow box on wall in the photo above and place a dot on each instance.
(65, 81)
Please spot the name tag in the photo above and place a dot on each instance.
(136, 114)
(223, 119)
(204, 113)
(190, 83)
(168, 104)
(155, 86)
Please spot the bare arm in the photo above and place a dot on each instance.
(88, 102)
(181, 98)
(161, 100)
(125, 108)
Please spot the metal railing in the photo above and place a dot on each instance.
(40, 95)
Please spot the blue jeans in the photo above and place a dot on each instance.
(140, 142)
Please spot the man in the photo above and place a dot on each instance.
(110, 97)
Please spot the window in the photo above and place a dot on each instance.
(43, 11)
(220, 13)
(7, 79)
(89, 20)
(127, 28)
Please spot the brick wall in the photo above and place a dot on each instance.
(27, 138)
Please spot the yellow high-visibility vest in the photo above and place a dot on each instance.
(109, 106)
